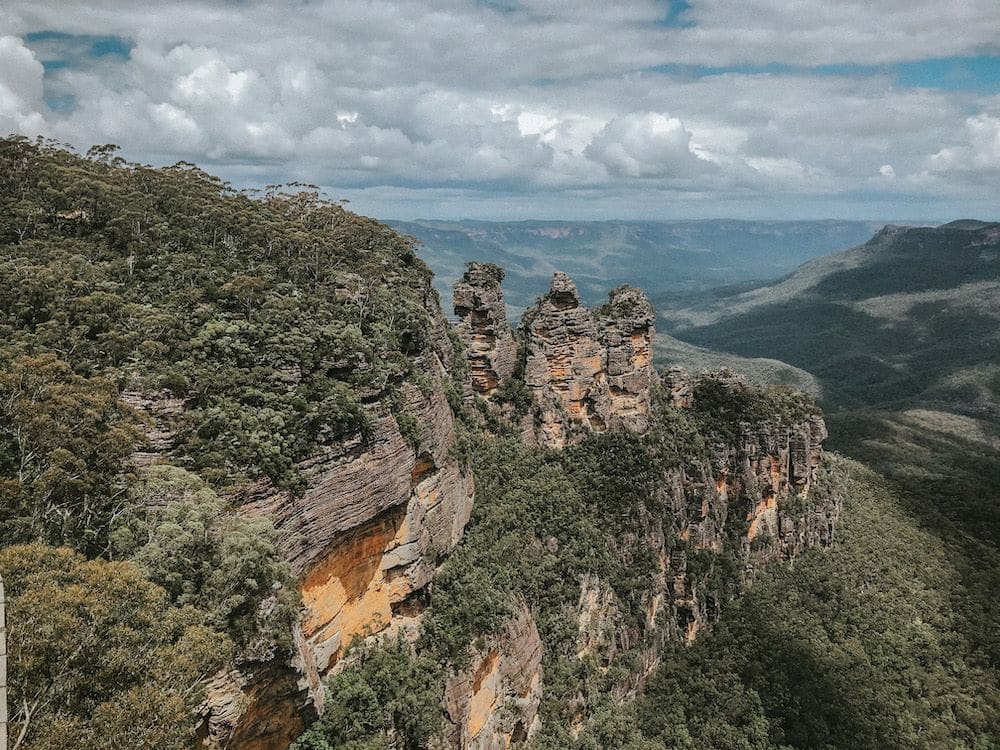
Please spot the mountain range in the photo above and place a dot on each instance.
(659, 256)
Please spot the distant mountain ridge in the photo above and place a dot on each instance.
(911, 316)
(661, 256)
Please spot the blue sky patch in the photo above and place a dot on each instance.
(675, 14)
(980, 74)
(58, 50)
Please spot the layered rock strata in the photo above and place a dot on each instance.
(482, 324)
(751, 501)
(588, 371)
(495, 702)
(364, 539)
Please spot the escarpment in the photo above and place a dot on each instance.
(588, 370)
(364, 537)
(749, 501)
(380, 508)
(260, 421)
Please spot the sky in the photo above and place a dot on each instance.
(518, 109)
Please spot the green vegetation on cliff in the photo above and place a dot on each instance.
(252, 328)
(863, 645)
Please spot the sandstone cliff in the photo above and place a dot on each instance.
(588, 370)
(495, 702)
(482, 324)
(364, 538)
(379, 509)
(746, 503)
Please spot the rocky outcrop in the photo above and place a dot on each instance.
(255, 707)
(495, 702)
(482, 324)
(749, 501)
(588, 371)
(364, 535)
(364, 538)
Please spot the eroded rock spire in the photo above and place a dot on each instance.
(482, 324)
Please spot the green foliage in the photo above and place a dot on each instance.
(721, 408)
(856, 646)
(389, 699)
(182, 536)
(277, 319)
(63, 441)
(698, 702)
(98, 656)
(271, 314)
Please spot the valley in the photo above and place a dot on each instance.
(259, 491)
(660, 256)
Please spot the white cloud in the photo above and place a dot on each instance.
(975, 153)
(20, 88)
(555, 103)
(650, 144)
(984, 137)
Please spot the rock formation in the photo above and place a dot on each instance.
(495, 702)
(751, 501)
(588, 371)
(482, 325)
(363, 538)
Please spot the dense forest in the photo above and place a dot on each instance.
(277, 322)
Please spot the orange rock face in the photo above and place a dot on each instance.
(750, 499)
(495, 703)
(588, 370)
(364, 538)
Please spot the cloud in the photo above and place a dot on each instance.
(649, 144)
(541, 104)
(20, 88)
(976, 154)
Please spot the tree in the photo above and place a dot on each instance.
(184, 538)
(63, 442)
(98, 657)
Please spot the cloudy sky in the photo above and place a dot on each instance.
(879, 109)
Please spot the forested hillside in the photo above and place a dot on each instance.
(901, 334)
(258, 324)
(909, 317)
(256, 493)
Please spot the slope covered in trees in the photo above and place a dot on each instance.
(902, 336)
(255, 312)
(258, 331)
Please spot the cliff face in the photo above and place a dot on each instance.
(750, 502)
(495, 702)
(482, 324)
(363, 538)
(361, 533)
(588, 371)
